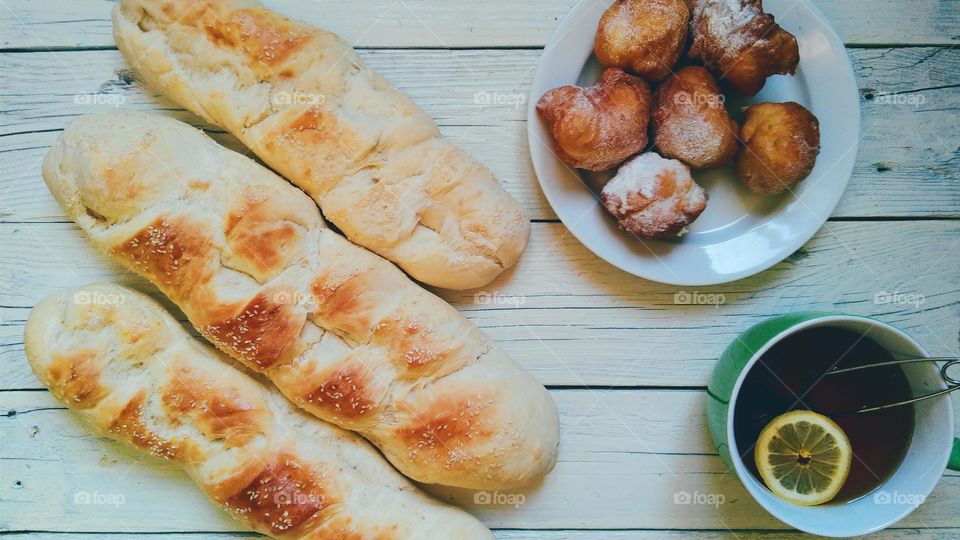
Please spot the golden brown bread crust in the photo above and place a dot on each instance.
(303, 101)
(781, 143)
(740, 43)
(644, 37)
(690, 122)
(343, 333)
(653, 197)
(598, 127)
(129, 370)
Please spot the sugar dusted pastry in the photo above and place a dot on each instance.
(781, 143)
(690, 122)
(740, 43)
(644, 37)
(653, 197)
(598, 127)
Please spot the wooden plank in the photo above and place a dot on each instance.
(905, 168)
(572, 319)
(461, 23)
(624, 456)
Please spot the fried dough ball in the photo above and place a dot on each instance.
(690, 122)
(598, 127)
(644, 37)
(653, 197)
(740, 43)
(781, 143)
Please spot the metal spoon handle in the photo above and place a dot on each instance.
(952, 383)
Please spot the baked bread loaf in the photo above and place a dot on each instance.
(343, 333)
(130, 370)
(303, 101)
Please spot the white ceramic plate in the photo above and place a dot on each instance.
(739, 234)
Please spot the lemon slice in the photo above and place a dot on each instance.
(803, 457)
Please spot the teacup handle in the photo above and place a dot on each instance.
(954, 463)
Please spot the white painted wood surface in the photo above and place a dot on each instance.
(906, 166)
(625, 363)
(572, 319)
(624, 456)
(30, 24)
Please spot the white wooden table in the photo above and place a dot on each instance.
(626, 364)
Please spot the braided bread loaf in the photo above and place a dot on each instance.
(303, 101)
(343, 333)
(129, 369)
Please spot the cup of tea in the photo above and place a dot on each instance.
(899, 453)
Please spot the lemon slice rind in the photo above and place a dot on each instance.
(777, 450)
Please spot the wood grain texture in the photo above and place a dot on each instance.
(906, 165)
(623, 458)
(462, 23)
(572, 319)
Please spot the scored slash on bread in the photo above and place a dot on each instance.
(343, 333)
(124, 365)
(303, 101)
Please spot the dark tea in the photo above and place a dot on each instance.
(790, 376)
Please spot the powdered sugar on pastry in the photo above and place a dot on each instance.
(690, 122)
(644, 37)
(740, 43)
(653, 197)
(697, 134)
(727, 20)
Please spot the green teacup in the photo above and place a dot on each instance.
(931, 449)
